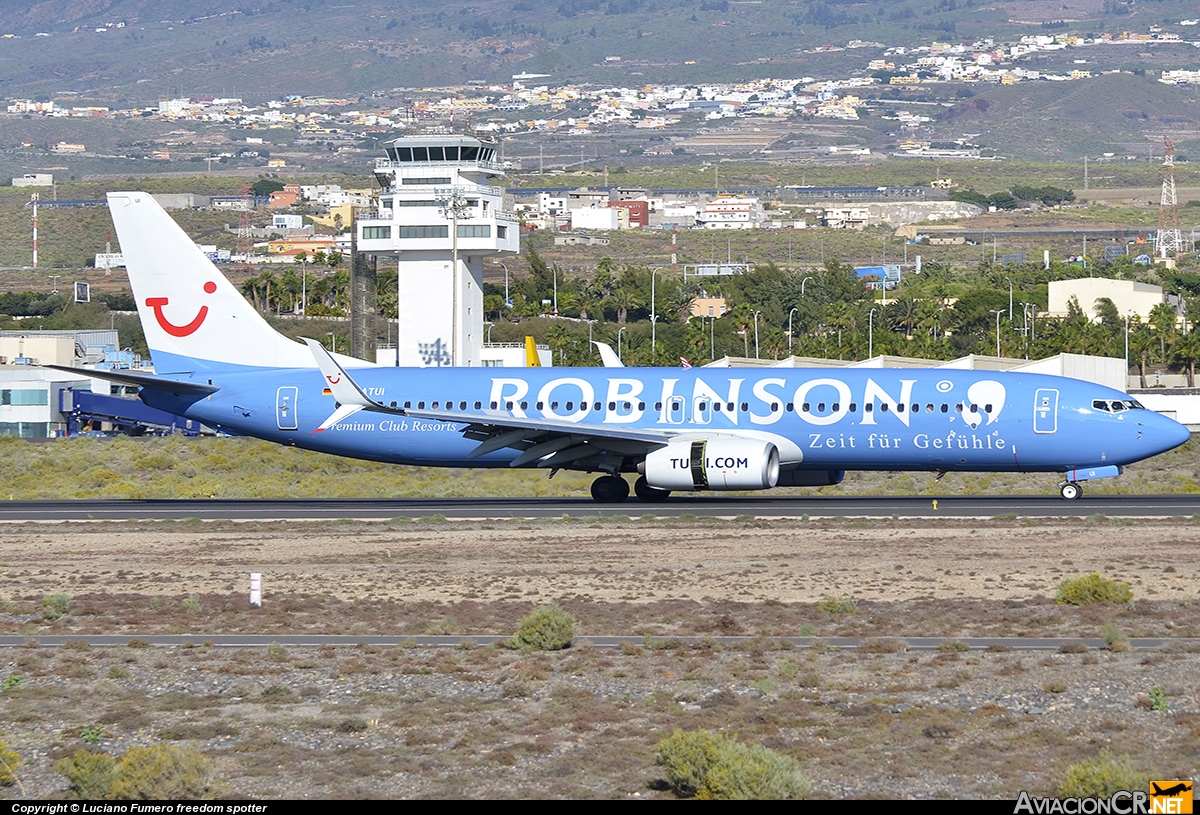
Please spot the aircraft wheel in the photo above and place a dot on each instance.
(1070, 490)
(610, 489)
(649, 494)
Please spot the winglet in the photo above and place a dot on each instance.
(531, 355)
(349, 396)
(607, 355)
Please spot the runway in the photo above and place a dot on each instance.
(708, 506)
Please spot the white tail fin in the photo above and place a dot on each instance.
(187, 307)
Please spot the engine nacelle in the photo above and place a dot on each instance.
(716, 464)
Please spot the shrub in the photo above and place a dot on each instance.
(1092, 588)
(548, 628)
(90, 774)
(55, 606)
(708, 765)
(157, 772)
(11, 682)
(838, 605)
(1100, 777)
(1159, 701)
(8, 765)
(192, 605)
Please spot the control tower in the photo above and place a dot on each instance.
(439, 218)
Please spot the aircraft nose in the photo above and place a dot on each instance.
(1164, 433)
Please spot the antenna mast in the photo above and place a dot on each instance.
(1169, 237)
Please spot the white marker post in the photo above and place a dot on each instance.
(256, 589)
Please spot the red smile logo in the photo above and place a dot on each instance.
(171, 328)
(334, 378)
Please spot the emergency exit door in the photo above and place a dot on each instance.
(1045, 410)
(285, 408)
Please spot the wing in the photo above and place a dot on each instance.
(542, 442)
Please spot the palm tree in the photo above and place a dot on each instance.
(1186, 349)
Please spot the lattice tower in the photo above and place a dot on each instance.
(1170, 239)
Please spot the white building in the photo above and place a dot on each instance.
(1128, 296)
(34, 180)
(595, 218)
(731, 213)
(438, 218)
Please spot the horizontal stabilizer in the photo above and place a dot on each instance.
(158, 383)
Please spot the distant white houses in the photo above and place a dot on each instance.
(731, 212)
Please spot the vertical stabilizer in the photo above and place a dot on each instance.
(193, 317)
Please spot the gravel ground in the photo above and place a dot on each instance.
(489, 722)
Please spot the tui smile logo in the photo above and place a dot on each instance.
(171, 328)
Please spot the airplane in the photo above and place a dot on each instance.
(698, 429)
(1170, 792)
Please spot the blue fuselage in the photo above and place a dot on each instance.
(886, 419)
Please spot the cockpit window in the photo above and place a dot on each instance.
(1116, 405)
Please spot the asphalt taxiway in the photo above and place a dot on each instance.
(711, 506)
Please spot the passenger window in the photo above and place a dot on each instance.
(987, 408)
(853, 407)
(929, 407)
(524, 406)
(945, 408)
(493, 406)
(409, 404)
(883, 407)
(774, 407)
(745, 406)
(729, 407)
(835, 407)
(869, 407)
(434, 405)
(508, 405)
(612, 405)
(900, 407)
(641, 405)
(658, 405)
(570, 406)
(805, 407)
(789, 407)
(554, 405)
(420, 405)
(541, 405)
(820, 407)
(462, 405)
(478, 404)
(974, 408)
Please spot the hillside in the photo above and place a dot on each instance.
(150, 50)
(1116, 113)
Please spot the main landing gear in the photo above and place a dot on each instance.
(1070, 490)
(612, 489)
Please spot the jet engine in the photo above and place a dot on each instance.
(715, 464)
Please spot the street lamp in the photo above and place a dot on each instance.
(653, 318)
(790, 313)
(333, 342)
(507, 302)
(488, 339)
(619, 341)
(756, 333)
(871, 334)
(997, 312)
(1010, 301)
(802, 282)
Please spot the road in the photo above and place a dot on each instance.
(705, 506)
